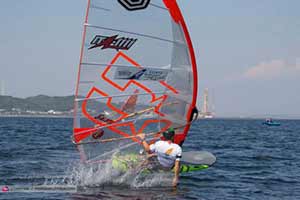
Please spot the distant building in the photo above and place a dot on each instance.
(206, 109)
(53, 112)
(2, 88)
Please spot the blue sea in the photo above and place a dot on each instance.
(39, 161)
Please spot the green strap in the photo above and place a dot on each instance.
(190, 168)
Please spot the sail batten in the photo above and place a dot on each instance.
(85, 64)
(121, 95)
(133, 33)
(157, 6)
(100, 8)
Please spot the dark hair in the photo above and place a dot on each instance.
(169, 134)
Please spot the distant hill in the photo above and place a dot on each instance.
(42, 103)
(37, 103)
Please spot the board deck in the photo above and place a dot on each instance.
(191, 161)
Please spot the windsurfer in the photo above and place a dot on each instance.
(164, 154)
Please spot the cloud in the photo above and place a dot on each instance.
(272, 69)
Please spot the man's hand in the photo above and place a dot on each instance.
(146, 146)
(141, 136)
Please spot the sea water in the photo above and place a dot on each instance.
(39, 161)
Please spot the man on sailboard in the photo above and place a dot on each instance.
(164, 154)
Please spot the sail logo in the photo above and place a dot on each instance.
(112, 42)
(134, 4)
(143, 74)
(138, 74)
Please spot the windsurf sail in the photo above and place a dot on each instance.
(131, 46)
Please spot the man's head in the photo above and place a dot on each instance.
(169, 134)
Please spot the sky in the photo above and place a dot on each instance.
(248, 52)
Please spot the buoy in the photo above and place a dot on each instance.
(5, 189)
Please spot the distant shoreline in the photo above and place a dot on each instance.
(37, 116)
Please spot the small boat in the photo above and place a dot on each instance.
(270, 122)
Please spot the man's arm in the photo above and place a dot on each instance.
(144, 143)
(176, 173)
(177, 167)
